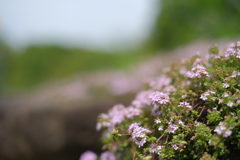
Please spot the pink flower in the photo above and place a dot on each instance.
(107, 155)
(88, 155)
(230, 104)
(238, 101)
(138, 134)
(153, 148)
(229, 52)
(207, 93)
(174, 146)
(132, 126)
(225, 85)
(235, 73)
(227, 133)
(117, 113)
(225, 94)
(197, 72)
(197, 62)
(159, 149)
(181, 122)
(160, 128)
(159, 97)
(221, 129)
(142, 99)
(160, 82)
(172, 127)
(157, 121)
(130, 112)
(185, 104)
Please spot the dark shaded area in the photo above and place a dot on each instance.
(52, 132)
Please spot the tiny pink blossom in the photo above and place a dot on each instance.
(225, 85)
(229, 52)
(130, 112)
(152, 148)
(235, 73)
(185, 104)
(238, 101)
(197, 72)
(142, 99)
(160, 128)
(197, 61)
(138, 134)
(107, 155)
(230, 104)
(157, 121)
(88, 155)
(181, 122)
(238, 43)
(227, 133)
(172, 127)
(225, 94)
(174, 146)
(159, 149)
(220, 128)
(159, 97)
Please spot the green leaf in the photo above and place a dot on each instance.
(183, 142)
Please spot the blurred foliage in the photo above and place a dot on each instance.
(182, 21)
(37, 64)
(178, 22)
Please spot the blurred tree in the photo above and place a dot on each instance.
(180, 22)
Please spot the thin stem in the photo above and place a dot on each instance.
(122, 129)
(160, 137)
(166, 139)
(125, 134)
(200, 112)
(197, 105)
(134, 154)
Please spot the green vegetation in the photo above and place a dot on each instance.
(192, 112)
(182, 21)
(37, 64)
(178, 22)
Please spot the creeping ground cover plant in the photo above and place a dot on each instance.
(192, 112)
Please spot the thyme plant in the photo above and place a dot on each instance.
(191, 112)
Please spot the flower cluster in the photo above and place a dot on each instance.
(159, 97)
(233, 50)
(185, 104)
(172, 127)
(197, 72)
(138, 134)
(116, 115)
(222, 130)
(205, 94)
(89, 155)
(191, 111)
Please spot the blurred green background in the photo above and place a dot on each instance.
(37, 64)
(177, 23)
(180, 22)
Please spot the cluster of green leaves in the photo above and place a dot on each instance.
(209, 128)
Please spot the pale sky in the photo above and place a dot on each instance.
(98, 23)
